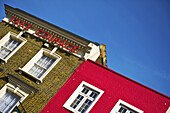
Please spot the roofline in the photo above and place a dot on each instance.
(129, 79)
(50, 24)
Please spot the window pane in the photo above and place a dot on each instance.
(4, 52)
(85, 90)
(37, 71)
(8, 101)
(45, 61)
(76, 101)
(85, 106)
(93, 95)
(122, 110)
(11, 44)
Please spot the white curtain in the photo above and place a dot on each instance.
(41, 66)
(8, 101)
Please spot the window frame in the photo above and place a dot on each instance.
(6, 38)
(36, 57)
(15, 90)
(121, 102)
(168, 111)
(78, 90)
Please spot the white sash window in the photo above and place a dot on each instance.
(41, 64)
(9, 44)
(83, 98)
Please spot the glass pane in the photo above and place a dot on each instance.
(76, 101)
(122, 110)
(85, 90)
(93, 95)
(45, 61)
(12, 44)
(8, 101)
(85, 106)
(8, 47)
(4, 52)
(37, 71)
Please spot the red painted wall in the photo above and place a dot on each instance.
(115, 87)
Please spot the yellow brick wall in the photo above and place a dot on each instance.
(34, 103)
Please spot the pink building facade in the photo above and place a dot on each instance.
(97, 89)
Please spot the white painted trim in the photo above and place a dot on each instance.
(56, 32)
(168, 111)
(121, 102)
(30, 64)
(94, 52)
(75, 94)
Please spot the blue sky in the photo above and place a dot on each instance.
(136, 32)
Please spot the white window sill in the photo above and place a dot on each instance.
(38, 80)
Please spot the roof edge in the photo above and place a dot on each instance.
(50, 24)
(129, 79)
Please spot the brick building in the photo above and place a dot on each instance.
(36, 59)
(97, 89)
